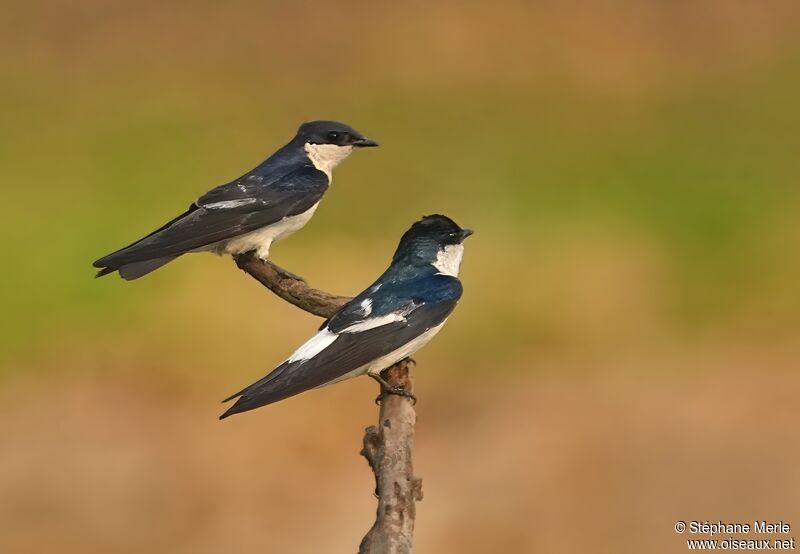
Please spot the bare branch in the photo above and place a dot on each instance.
(388, 447)
(290, 287)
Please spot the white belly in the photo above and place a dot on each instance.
(392, 358)
(260, 240)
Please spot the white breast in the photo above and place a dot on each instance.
(260, 240)
(404, 351)
(376, 366)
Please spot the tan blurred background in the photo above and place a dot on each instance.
(626, 351)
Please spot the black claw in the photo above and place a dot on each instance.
(386, 388)
(400, 391)
(397, 391)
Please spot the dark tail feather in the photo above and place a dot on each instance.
(231, 397)
(134, 270)
(271, 388)
(105, 271)
(231, 411)
(244, 404)
(247, 403)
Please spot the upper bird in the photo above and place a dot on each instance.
(397, 315)
(264, 205)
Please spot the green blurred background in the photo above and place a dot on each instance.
(626, 351)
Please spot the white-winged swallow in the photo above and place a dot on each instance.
(266, 204)
(393, 318)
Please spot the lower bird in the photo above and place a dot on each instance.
(264, 205)
(393, 318)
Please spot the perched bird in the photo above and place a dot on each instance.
(397, 315)
(264, 205)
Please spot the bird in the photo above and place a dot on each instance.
(389, 321)
(264, 205)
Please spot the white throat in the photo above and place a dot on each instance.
(327, 156)
(448, 259)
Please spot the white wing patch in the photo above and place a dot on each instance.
(366, 306)
(313, 346)
(380, 321)
(227, 204)
(367, 324)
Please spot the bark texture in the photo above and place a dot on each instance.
(290, 287)
(388, 447)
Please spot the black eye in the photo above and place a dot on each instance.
(333, 136)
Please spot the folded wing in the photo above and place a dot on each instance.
(223, 213)
(337, 351)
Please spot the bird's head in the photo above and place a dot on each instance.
(332, 133)
(434, 240)
(327, 143)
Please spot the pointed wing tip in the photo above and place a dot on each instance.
(104, 271)
(233, 410)
(231, 397)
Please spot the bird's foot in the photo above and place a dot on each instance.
(397, 391)
(387, 388)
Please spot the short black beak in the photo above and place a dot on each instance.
(465, 233)
(364, 142)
